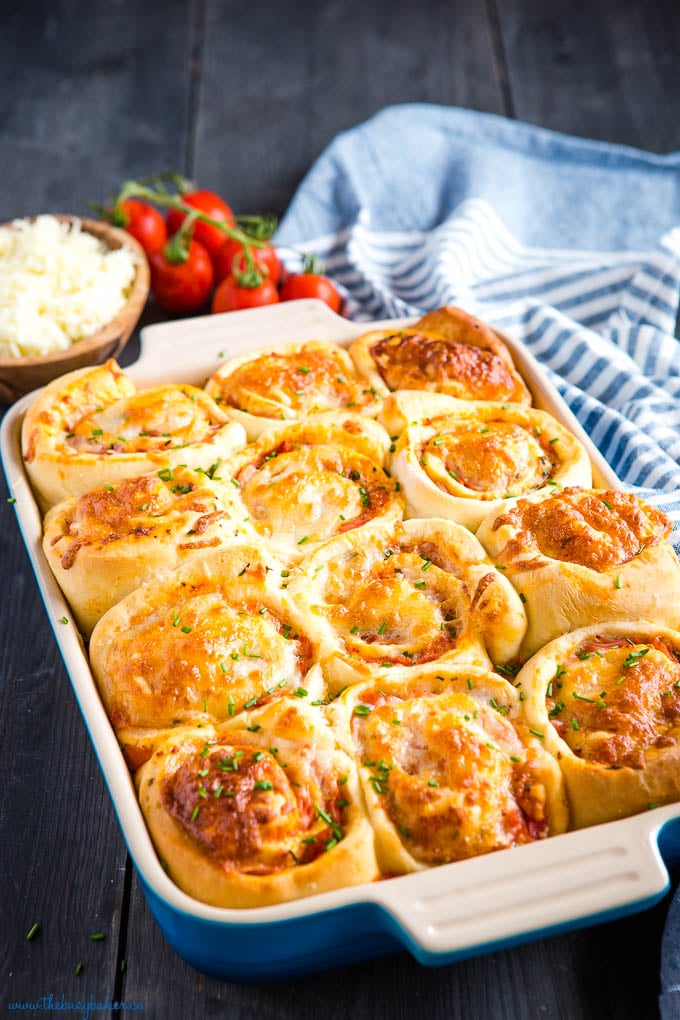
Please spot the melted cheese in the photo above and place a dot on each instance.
(210, 640)
(599, 530)
(616, 700)
(303, 379)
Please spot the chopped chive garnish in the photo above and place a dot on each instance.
(362, 710)
(574, 724)
(617, 582)
(263, 784)
(98, 936)
(537, 733)
(33, 932)
(305, 538)
(185, 629)
(432, 782)
(635, 657)
(250, 702)
(78, 969)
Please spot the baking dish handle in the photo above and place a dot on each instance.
(592, 875)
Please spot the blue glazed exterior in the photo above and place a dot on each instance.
(337, 938)
(276, 950)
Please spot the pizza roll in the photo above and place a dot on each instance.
(104, 544)
(600, 554)
(391, 599)
(304, 483)
(287, 382)
(92, 427)
(447, 351)
(607, 700)
(448, 767)
(261, 810)
(465, 462)
(203, 642)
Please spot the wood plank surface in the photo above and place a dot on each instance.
(303, 72)
(245, 97)
(605, 70)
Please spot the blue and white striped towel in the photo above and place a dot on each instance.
(571, 246)
(423, 206)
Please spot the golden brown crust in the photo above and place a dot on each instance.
(606, 699)
(468, 457)
(447, 351)
(263, 810)
(602, 554)
(395, 598)
(104, 544)
(287, 382)
(448, 767)
(305, 483)
(203, 643)
(92, 427)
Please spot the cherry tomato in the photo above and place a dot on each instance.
(142, 221)
(182, 287)
(266, 260)
(311, 285)
(231, 295)
(212, 205)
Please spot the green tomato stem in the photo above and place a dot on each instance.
(133, 189)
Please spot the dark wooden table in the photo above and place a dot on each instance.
(244, 97)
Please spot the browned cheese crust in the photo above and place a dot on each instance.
(260, 811)
(602, 555)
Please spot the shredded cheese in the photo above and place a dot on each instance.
(58, 284)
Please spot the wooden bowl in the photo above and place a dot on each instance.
(21, 375)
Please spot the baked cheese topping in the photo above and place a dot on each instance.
(257, 810)
(202, 649)
(599, 530)
(307, 493)
(398, 608)
(315, 377)
(616, 700)
(488, 459)
(162, 418)
(178, 502)
(451, 773)
(417, 360)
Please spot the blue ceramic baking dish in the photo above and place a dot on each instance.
(439, 915)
